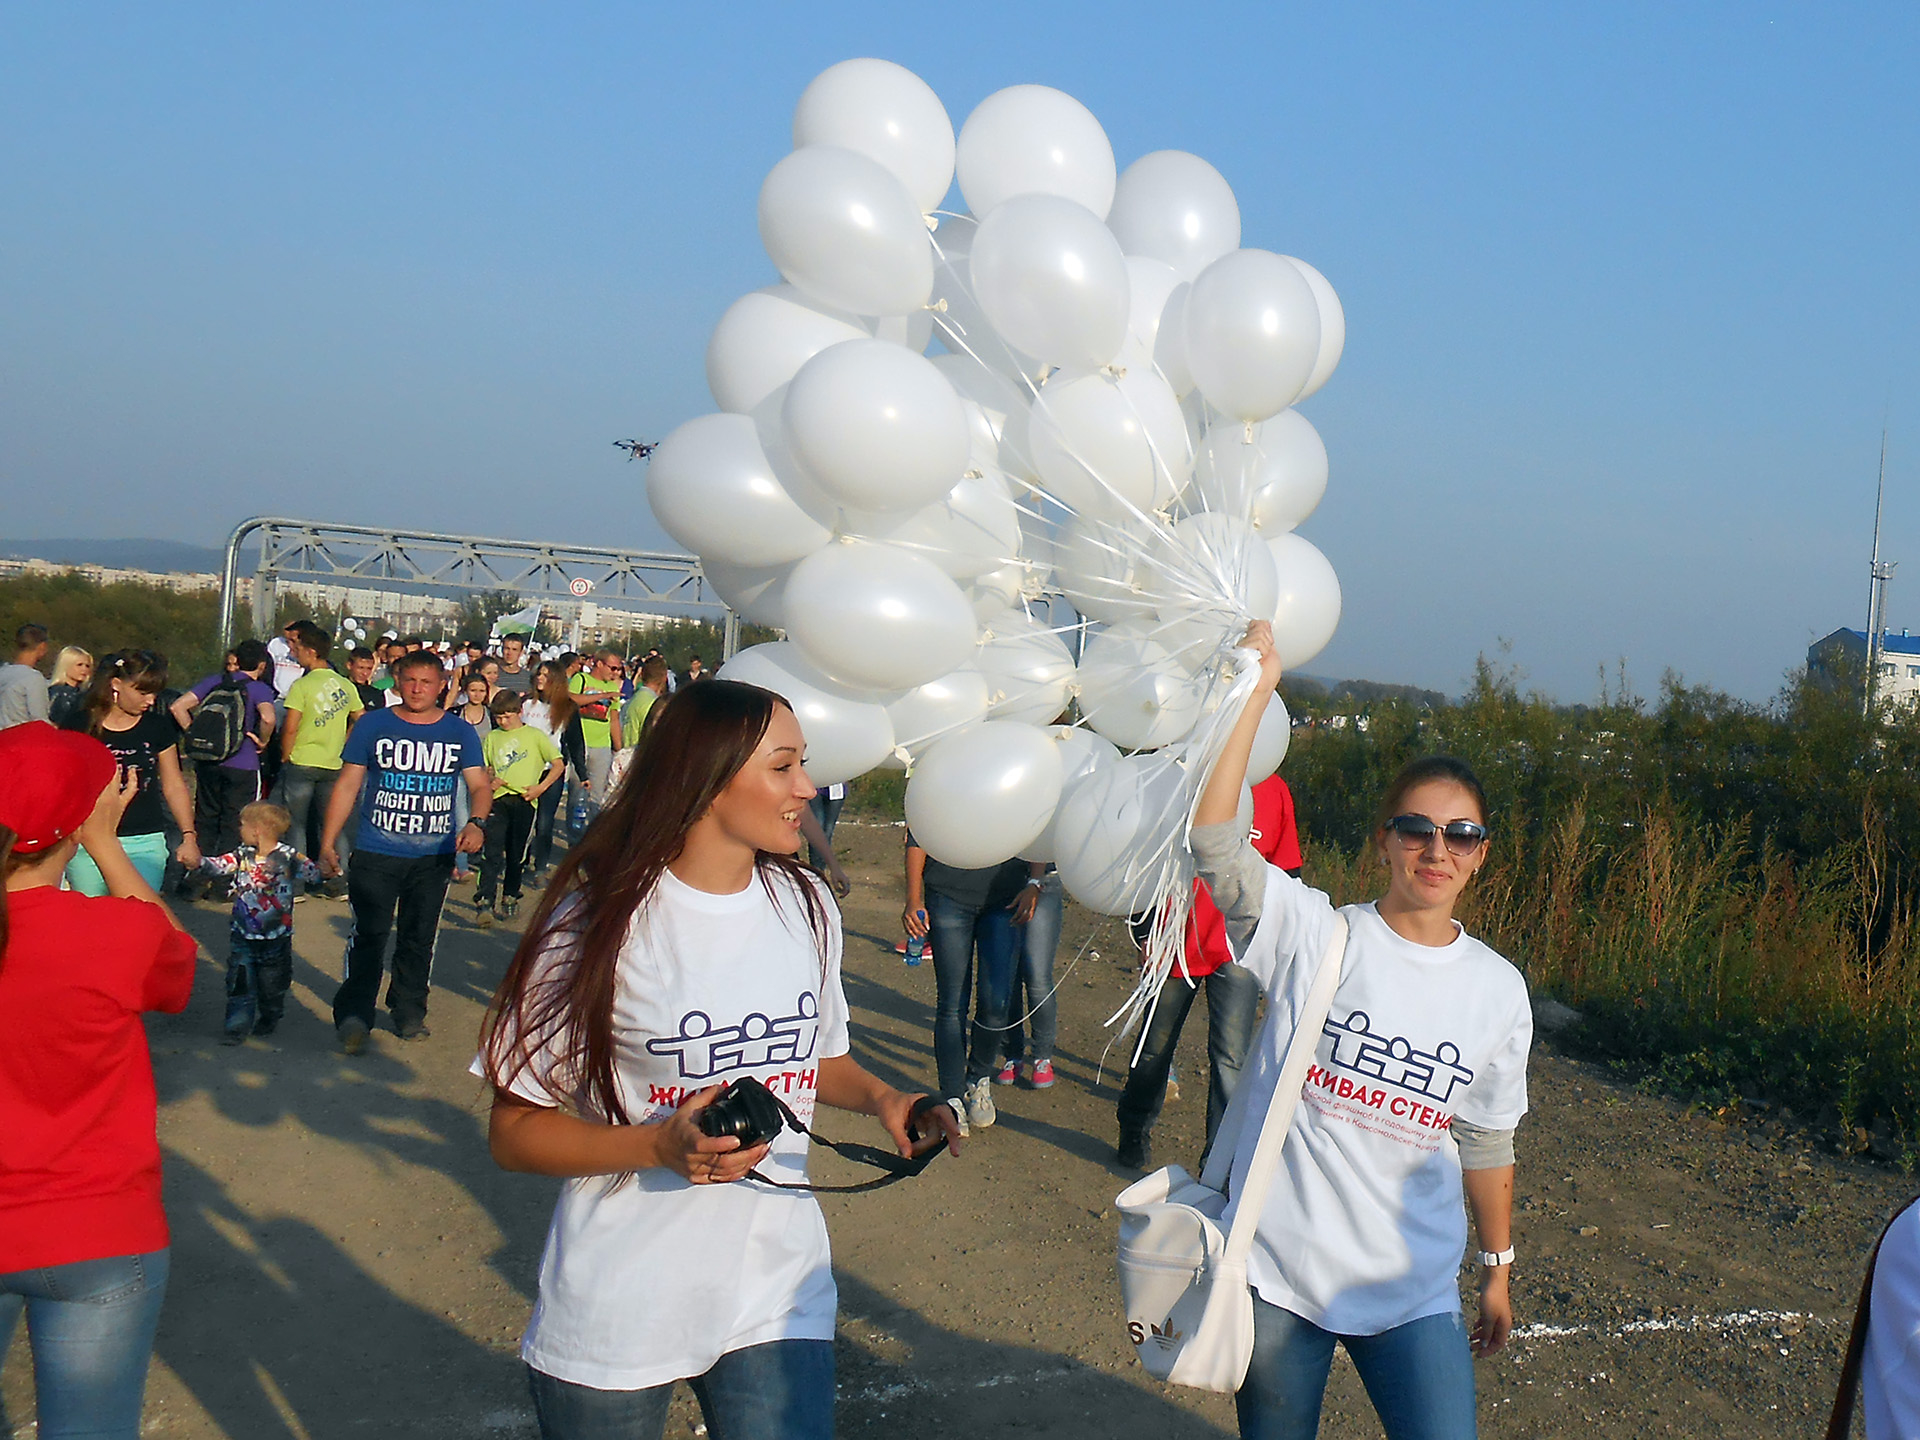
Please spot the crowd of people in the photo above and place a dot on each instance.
(673, 1015)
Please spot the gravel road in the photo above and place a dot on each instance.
(348, 1262)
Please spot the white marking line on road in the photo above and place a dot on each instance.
(930, 1387)
(1734, 1320)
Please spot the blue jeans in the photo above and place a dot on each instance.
(955, 929)
(782, 1390)
(827, 812)
(1233, 999)
(91, 1325)
(1037, 941)
(544, 819)
(1418, 1375)
(305, 790)
(259, 974)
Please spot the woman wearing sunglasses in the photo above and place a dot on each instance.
(1420, 1077)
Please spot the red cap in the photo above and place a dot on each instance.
(50, 780)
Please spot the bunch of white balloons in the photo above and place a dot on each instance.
(1101, 449)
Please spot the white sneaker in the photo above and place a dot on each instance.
(980, 1111)
(960, 1114)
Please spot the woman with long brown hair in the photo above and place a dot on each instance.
(552, 711)
(120, 713)
(682, 946)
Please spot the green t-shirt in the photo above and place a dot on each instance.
(595, 732)
(519, 757)
(326, 703)
(635, 714)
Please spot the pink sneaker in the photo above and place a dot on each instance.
(1040, 1075)
(1006, 1074)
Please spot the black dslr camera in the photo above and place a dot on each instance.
(753, 1115)
(746, 1110)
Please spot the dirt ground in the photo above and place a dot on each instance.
(348, 1262)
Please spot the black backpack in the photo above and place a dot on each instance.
(219, 724)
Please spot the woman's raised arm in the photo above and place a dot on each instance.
(1220, 801)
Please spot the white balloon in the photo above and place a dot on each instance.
(1277, 477)
(1081, 753)
(937, 708)
(878, 617)
(1101, 567)
(1175, 208)
(876, 426)
(1134, 692)
(1103, 443)
(956, 314)
(845, 736)
(1309, 608)
(914, 330)
(757, 592)
(978, 797)
(1033, 140)
(1236, 582)
(1253, 333)
(1051, 280)
(763, 340)
(1170, 342)
(1270, 741)
(1029, 668)
(1113, 830)
(887, 113)
(1150, 283)
(969, 531)
(713, 490)
(1333, 328)
(996, 592)
(843, 229)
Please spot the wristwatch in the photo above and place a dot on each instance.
(1492, 1259)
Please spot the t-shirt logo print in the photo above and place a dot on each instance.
(1432, 1074)
(705, 1051)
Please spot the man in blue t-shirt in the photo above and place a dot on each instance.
(401, 767)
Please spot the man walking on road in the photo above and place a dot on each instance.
(321, 705)
(599, 692)
(514, 673)
(402, 764)
(23, 689)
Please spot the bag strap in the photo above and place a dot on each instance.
(1286, 1098)
(898, 1167)
(1840, 1422)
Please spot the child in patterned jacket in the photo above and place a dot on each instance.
(260, 961)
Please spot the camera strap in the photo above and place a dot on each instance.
(898, 1167)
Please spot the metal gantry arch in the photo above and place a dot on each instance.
(430, 564)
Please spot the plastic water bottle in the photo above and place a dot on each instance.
(917, 944)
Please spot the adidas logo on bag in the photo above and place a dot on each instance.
(1166, 1338)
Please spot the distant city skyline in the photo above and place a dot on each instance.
(1629, 289)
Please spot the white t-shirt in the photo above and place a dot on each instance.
(1365, 1225)
(654, 1280)
(539, 714)
(286, 669)
(1890, 1368)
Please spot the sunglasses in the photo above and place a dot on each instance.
(1416, 832)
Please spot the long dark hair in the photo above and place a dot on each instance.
(605, 883)
(142, 669)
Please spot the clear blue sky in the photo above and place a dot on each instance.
(1629, 288)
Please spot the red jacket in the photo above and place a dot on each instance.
(79, 1157)
(1275, 836)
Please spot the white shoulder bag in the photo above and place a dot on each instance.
(1184, 1284)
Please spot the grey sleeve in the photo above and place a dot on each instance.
(1236, 876)
(1481, 1148)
